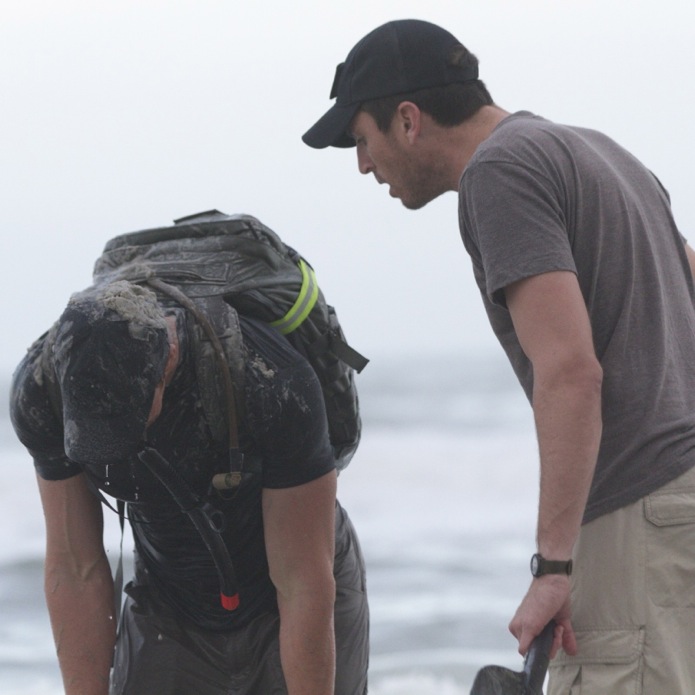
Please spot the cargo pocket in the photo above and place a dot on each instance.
(608, 661)
(671, 547)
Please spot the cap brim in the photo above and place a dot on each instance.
(102, 440)
(331, 129)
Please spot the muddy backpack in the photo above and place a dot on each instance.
(218, 265)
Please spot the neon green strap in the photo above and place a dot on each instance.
(306, 300)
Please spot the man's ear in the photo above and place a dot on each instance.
(409, 120)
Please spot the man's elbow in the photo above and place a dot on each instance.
(581, 374)
(63, 568)
(317, 588)
(588, 374)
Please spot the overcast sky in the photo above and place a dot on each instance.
(120, 115)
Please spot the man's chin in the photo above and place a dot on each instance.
(415, 203)
(418, 201)
(407, 203)
(412, 202)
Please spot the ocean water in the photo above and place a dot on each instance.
(443, 495)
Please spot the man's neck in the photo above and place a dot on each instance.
(459, 143)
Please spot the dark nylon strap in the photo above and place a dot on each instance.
(348, 354)
(332, 342)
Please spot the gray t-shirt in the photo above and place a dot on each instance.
(538, 197)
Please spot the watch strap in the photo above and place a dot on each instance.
(540, 566)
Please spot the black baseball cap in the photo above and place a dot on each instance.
(398, 57)
(108, 362)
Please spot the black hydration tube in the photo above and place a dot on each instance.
(204, 516)
(207, 520)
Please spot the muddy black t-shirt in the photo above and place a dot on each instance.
(284, 437)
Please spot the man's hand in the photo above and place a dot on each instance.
(548, 598)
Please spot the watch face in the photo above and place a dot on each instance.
(535, 565)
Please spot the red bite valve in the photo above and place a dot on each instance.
(229, 603)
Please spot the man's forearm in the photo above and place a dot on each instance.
(84, 627)
(307, 643)
(567, 412)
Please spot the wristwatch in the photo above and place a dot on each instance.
(541, 566)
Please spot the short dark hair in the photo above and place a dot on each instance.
(448, 105)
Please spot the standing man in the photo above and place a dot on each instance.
(253, 588)
(588, 286)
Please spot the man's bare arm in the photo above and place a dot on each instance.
(300, 541)
(552, 324)
(78, 585)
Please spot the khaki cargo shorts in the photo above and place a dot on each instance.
(633, 600)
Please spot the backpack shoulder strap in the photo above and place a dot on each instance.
(217, 346)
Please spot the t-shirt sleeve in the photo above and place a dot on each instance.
(35, 420)
(285, 411)
(514, 223)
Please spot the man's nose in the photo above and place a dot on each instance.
(364, 163)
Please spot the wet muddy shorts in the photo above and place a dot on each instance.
(157, 655)
(633, 600)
